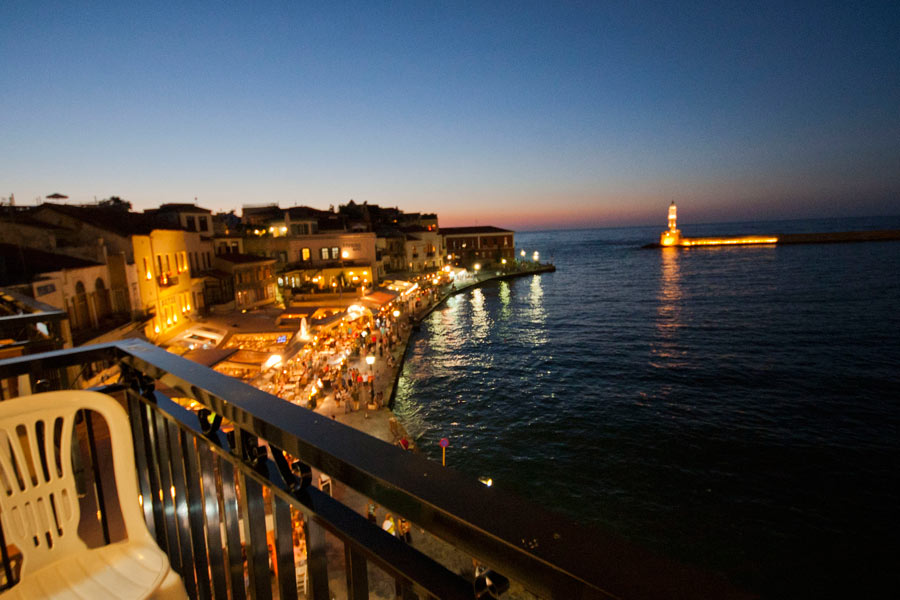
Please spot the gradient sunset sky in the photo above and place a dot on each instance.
(522, 115)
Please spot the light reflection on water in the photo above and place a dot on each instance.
(480, 322)
(668, 308)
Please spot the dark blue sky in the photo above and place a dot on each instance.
(506, 113)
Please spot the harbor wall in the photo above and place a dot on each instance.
(839, 237)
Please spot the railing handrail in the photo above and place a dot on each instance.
(548, 554)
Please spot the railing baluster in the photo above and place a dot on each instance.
(155, 497)
(316, 560)
(207, 475)
(195, 512)
(357, 573)
(284, 549)
(165, 460)
(179, 498)
(253, 518)
(232, 531)
(140, 458)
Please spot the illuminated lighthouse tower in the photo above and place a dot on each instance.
(671, 236)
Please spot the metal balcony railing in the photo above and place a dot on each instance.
(222, 482)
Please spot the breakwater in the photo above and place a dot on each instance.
(780, 239)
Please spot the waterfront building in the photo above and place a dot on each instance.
(336, 261)
(250, 277)
(485, 245)
(423, 248)
(390, 245)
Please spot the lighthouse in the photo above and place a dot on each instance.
(671, 236)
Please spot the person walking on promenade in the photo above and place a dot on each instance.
(389, 525)
(404, 531)
(370, 512)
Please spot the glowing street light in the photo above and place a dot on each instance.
(396, 313)
(535, 256)
(522, 253)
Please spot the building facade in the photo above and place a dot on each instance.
(171, 289)
(468, 246)
(251, 277)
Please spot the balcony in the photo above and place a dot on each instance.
(225, 474)
(167, 280)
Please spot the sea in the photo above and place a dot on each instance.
(733, 408)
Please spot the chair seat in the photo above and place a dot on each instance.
(122, 570)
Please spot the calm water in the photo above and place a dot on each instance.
(736, 408)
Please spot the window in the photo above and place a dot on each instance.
(324, 253)
(190, 225)
(177, 262)
(43, 290)
(208, 260)
(204, 225)
(335, 253)
(234, 247)
(168, 265)
(304, 254)
(193, 261)
(159, 268)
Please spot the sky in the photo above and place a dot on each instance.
(522, 115)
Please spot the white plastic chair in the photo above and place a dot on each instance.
(40, 513)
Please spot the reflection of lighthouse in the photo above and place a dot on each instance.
(671, 236)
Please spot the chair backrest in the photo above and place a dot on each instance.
(38, 500)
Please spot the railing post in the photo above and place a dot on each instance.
(253, 520)
(316, 560)
(213, 521)
(357, 574)
(284, 549)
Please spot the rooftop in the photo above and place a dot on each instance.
(473, 230)
(13, 270)
(114, 220)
